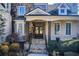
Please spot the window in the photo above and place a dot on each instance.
(57, 28)
(62, 11)
(21, 10)
(68, 28)
(20, 28)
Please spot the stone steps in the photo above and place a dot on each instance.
(38, 46)
(38, 55)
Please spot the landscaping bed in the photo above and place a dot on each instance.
(64, 48)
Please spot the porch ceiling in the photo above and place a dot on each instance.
(51, 18)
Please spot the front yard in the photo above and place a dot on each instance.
(64, 48)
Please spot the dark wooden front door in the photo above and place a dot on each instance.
(38, 30)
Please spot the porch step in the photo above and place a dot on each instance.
(38, 55)
(38, 47)
(38, 41)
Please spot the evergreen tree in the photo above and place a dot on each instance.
(2, 25)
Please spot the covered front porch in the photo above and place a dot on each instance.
(46, 26)
(37, 28)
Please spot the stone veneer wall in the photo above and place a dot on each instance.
(62, 34)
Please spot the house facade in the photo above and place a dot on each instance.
(57, 21)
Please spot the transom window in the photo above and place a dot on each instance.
(21, 10)
(68, 28)
(57, 28)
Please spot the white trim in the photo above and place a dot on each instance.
(19, 10)
(67, 7)
(60, 28)
(17, 26)
(19, 20)
(65, 11)
(36, 12)
(51, 18)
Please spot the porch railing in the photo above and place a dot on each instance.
(46, 43)
(30, 41)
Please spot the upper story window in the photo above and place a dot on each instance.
(62, 9)
(21, 10)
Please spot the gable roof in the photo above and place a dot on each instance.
(62, 5)
(38, 11)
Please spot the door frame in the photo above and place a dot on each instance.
(43, 29)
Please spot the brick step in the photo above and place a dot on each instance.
(38, 46)
(35, 54)
(32, 48)
(38, 51)
(38, 42)
(33, 45)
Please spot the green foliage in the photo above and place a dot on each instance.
(2, 25)
(51, 45)
(71, 45)
(63, 46)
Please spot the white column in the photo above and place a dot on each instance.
(16, 27)
(46, 28)
(23, 30)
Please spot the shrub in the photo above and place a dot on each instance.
(71, 45)
(63, 46)
(74, 47)
(12, 38)
(53, 45)
(14, 47)
(4, 49)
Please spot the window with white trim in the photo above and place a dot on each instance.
(68, 28)
(21, 10)
(57, 28)
(62, 11)
(20, 28)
